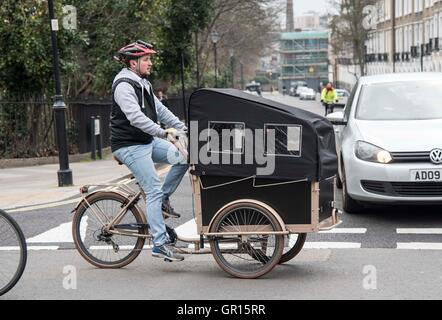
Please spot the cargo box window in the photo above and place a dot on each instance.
(226, 137)
(286, 142)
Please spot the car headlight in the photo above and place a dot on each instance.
(368, 152)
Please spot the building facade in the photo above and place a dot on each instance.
(407, 37)
(304, 56)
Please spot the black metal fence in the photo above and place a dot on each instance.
(82, 111)
(27, 127)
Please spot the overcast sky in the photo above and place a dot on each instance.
(301, 6)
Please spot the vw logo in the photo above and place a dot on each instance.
(436, 156)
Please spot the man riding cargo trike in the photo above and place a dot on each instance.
(263, 176)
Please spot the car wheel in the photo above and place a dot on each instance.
(338, 181)
(348, 203)
(338, 175)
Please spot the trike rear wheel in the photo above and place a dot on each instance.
(253, 252)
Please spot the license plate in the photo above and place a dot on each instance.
(426, 175)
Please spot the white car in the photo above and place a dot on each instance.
(300, 90)
(253, 88)
(389, 141)
(341, 97)
(308, 94)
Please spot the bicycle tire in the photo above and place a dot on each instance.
(82, 248)
(23, 252)
(295, 249)
(267, 262)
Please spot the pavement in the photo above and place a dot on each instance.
(38, 185)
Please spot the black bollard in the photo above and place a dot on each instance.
(93, 144)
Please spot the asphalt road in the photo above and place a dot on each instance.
(362, 259)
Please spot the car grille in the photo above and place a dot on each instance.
(403, 189)
(411, 156)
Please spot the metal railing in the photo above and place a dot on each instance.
(305, 61)
(27, 127)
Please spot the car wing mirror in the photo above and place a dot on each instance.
(337, 118)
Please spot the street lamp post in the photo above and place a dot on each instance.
(183, 87)
(64, 174)
(215, 39)
(197, 61)
(232, 65)
(242, 75)
(271, 80)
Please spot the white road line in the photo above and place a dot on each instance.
(419, 230)
(346, 230)
(224, 246)
(121, 247)
(332, 245)
(307, 245)
(44, 206)
(62, 233)
(30, 248)
(188, 230)
(37, 248)
(9, 248)
(207, 246)
(419, 246)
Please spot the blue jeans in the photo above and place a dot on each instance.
(141, 159)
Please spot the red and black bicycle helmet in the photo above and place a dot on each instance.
(134, 51)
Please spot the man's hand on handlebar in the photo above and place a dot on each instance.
(171, 132)
(173, 136)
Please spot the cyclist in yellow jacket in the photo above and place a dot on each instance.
(328, 97)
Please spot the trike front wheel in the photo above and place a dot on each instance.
(293, 245)
(246, 246)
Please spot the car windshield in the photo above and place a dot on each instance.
(252, 88)
(340, 93)
(407, 100)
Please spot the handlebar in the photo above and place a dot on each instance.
(177, 144)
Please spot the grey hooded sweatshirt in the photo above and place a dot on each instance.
(127, 100)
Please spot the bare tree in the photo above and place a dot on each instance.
(349, 32)
(245, 27)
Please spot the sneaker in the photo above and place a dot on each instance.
(167, 252)
(168, 211)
